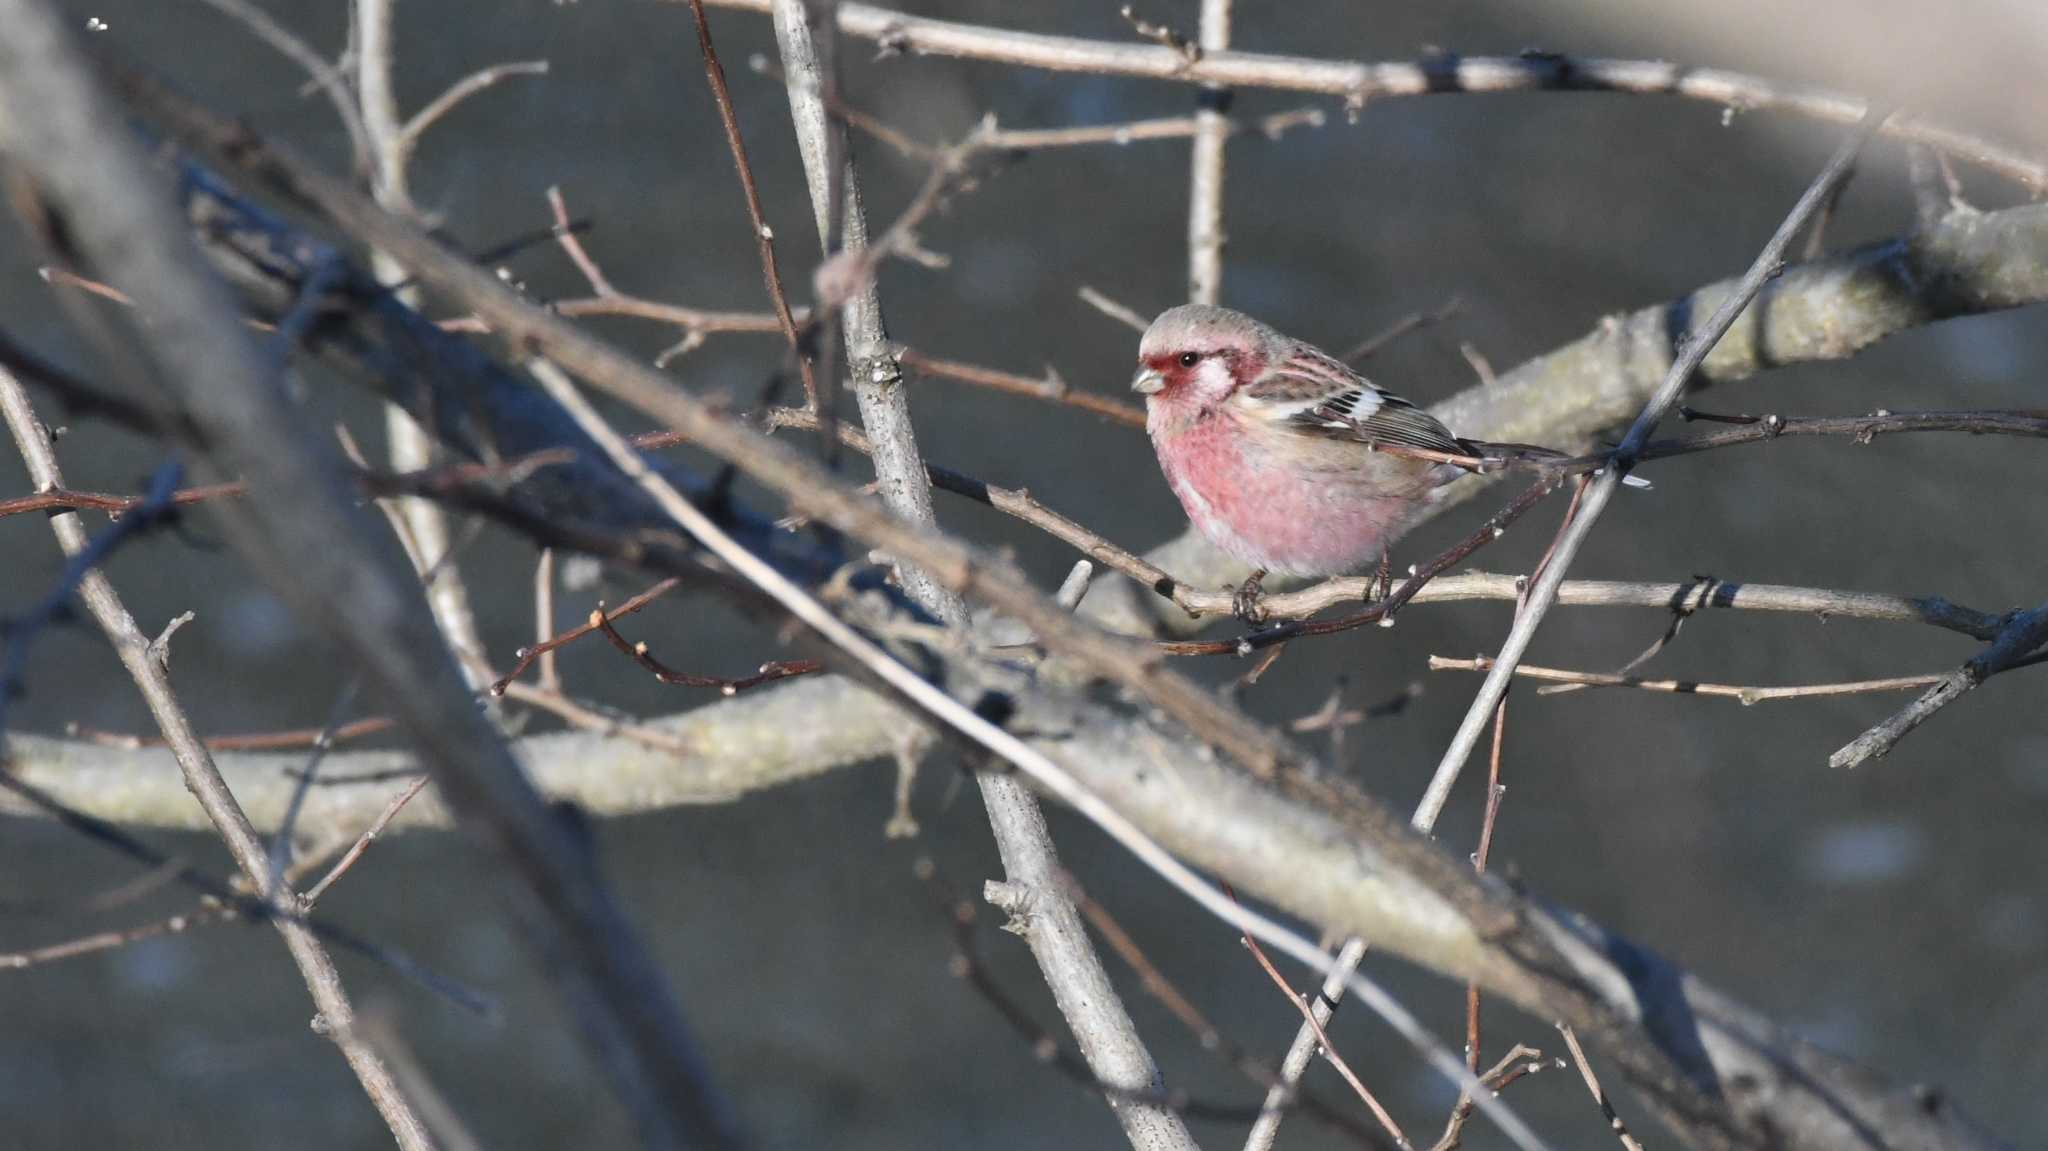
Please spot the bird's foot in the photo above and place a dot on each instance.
(1245, 603)
(1384, 585)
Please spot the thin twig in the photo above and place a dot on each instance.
(764, 236)
(206, 913)
(409, 135)
(1462, 1110)
(1518, 1063)
(769, 672)
(1049, 387)
(1404, 326)
(1272, 127)
(355, 851)
(1742, 693)
(254, 741)
(550, 678)
(1614, 1122)
(326, 76)
(1687, 596)
(572, 246)
(1017, 141)
(2012, 648)
(1116, 310)
(1328, 1049)
(525, 657)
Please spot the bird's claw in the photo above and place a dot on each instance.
(1244, 603)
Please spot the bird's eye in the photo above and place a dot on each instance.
(1190, 359)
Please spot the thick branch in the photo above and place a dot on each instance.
(1103, 1030)
(1300, 855)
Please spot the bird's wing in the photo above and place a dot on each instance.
(1311, 392)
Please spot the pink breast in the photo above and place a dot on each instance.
(1270, 512)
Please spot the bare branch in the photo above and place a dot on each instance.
(1107, 1038)
(1744, 694)
(1314, 1025)
(1614, 1123)
(1205, 167)
(1116, 310)
(463, 89)
(422, 526)
(764, 236)
(325, 76)
(1359, 82)
(200, 776)
(2009, 649)
(1691, 595)
(1050, 387)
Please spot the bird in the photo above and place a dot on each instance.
(1282, 455)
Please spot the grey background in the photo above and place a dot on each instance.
(1894, 913)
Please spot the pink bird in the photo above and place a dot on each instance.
(1274, 446)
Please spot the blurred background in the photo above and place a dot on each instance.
(1894, 913)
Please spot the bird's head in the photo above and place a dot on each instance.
(1196, 355)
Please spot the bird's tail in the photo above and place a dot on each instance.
(1499, 456)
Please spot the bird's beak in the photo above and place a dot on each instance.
(1148, 381)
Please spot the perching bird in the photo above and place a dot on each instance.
(1282, 455)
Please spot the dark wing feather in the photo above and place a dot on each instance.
(1314, 393)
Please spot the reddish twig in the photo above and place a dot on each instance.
(254, 741)
(362, 843)
(770, 672)
(1302, 1003)
(1614, 1122)
(1518, 1063)
(764, 236)
(1050, 388)
(525, 656)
